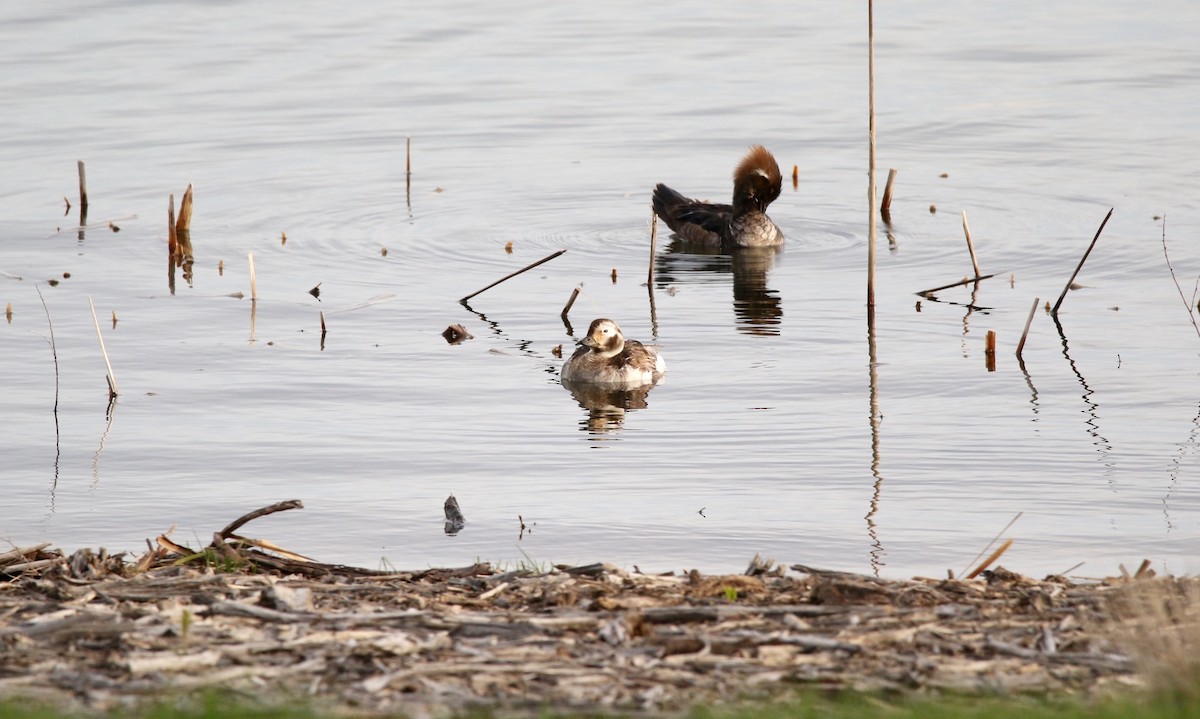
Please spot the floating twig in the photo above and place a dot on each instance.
(885, 205)
(1054, 310)
(112, 378)
(1028, 322)
(512, 275)
(970, 244)
(965, 281)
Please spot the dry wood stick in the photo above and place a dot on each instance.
(992, 558)
(653, 243)
(277, 507)
(253, 288)
(514, 274)
(967, 281)
(570, 303)
(112, 378)
(1054, 310)
(83, 198)
(885, 206)
(871, 232)
(970, 244)
(1028, 321)
(1011, 522)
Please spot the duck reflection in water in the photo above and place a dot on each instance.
(757, 308)
(608, 375)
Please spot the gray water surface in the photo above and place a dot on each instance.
(546, 126)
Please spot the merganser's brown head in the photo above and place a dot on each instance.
(605, 337)
(757, 181)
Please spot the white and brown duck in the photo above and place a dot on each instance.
(606, 357)
(756, 184)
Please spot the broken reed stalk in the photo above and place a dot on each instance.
(967, 281)
(83, 198)
(991, 558)
(653, 244)
(172, 239)
(184, 224)
(112, 378)
(1054, 310)
(885, 205)
(322, 323)
(1028, 321)
(514, 274)
(253, 287)
(871, 162)
(407, 164)
(570, 303)
(989, 352)
(970, 244)
(53, 347)
(1011, 522)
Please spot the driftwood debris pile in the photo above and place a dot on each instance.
(99, 630)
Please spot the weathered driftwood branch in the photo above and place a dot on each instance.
(264, 511)
(512, 275)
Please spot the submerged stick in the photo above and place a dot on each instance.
(871, 162)
(653, 244)
(253, 289)
(112, 378)
(1028, 321)
(970, 244)
(570, 303)
(885, 206)
(83, 198)
(514, 274)
(1054, 310)
(967, 281)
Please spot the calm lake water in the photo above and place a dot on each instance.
(546, 126)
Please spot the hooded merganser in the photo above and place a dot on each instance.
(606, 357)
(756, 184)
